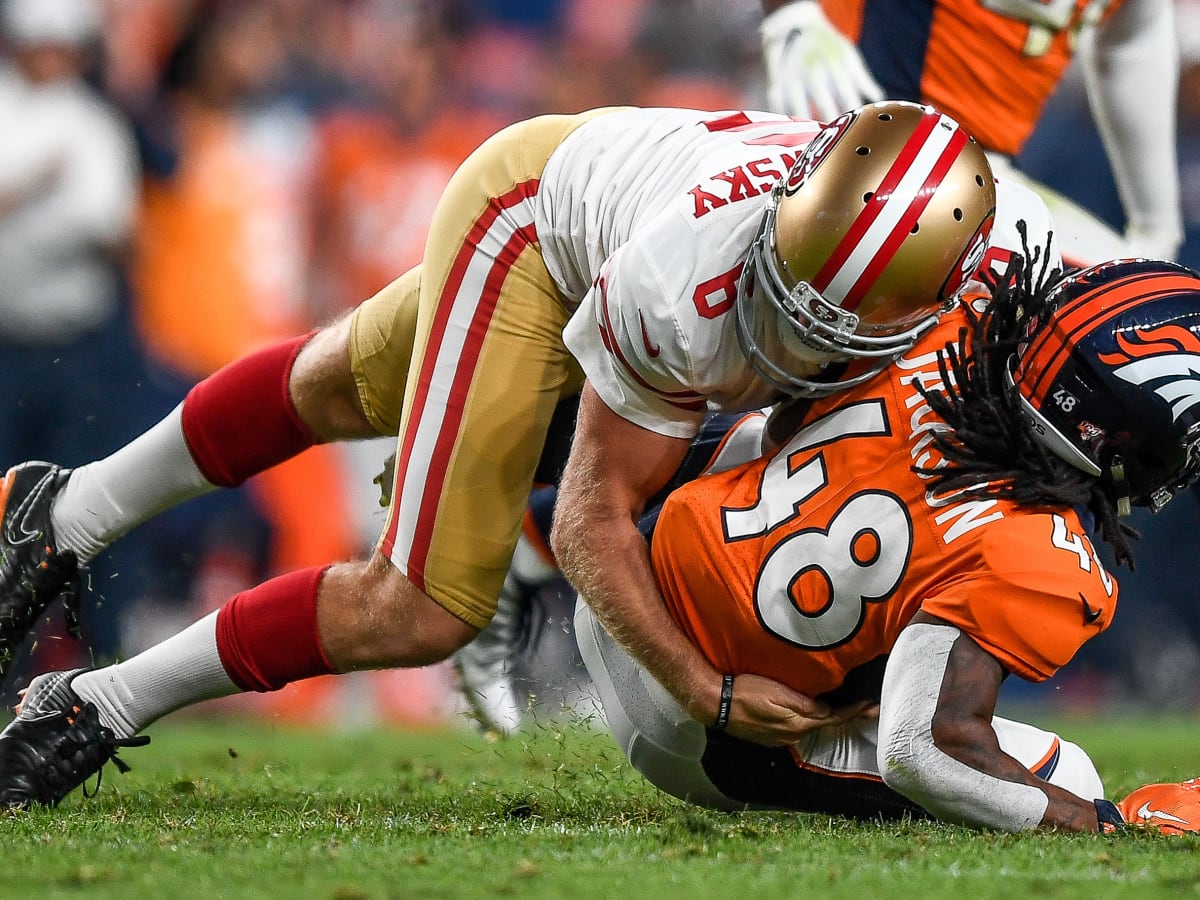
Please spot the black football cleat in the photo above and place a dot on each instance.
(33, 573)
(55, 744)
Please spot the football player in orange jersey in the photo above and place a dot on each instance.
(915, 540)
(992, 64)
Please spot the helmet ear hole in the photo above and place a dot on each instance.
(958, 214)
(867, 196)
(863, 151)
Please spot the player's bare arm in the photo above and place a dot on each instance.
(937, 745)
(614, 467)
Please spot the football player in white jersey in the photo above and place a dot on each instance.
(657, 263)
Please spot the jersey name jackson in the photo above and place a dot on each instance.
(953, 515)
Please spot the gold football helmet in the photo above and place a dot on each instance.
(865, 242)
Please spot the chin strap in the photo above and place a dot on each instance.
(1120, 485)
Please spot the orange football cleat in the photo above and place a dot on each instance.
(1169, 808)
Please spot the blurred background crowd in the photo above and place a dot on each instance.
(184, 180)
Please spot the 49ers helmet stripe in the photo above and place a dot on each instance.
(894, 208)
(866, 241)
(1046, 354)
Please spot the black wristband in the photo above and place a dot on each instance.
(726, 706)
(1109, 816)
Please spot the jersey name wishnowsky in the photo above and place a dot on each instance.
(751, 179)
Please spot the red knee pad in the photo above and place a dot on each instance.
(241, 419)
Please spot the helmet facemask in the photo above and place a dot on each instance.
(863, 245)
(780, 326)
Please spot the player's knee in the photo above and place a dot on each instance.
(1075, 772)
(323, 389)
(373, 617)
(1048, 756)
(680, 774)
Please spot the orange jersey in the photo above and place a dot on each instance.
(991, 64)
(220, 258)
(806, 565)
(378, 187)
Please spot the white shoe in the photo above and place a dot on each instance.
(485, 666)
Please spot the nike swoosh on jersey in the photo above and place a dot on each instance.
(1090, 615)
(1145, 812)
(650, 348)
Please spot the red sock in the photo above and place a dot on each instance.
(241, 419)
(267, 636)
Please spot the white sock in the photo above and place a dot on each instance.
(182, 670)
(104, 499)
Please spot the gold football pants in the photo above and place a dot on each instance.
(463, 358)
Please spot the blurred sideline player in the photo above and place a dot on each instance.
(880, 556)
(992, 65)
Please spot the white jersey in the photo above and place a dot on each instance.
(645, 219)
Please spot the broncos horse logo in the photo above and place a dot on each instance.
(1167, 358)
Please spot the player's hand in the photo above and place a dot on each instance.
(813, 70)
(1169, 808)
(767, 712)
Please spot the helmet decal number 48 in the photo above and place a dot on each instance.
(1066, 401)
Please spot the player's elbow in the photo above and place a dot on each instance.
(904, 754)
(917, 758)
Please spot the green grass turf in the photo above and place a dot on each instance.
(237, 809)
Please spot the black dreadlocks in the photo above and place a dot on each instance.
(989, 449)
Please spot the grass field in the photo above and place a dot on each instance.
(235, 809)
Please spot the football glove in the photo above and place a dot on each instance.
(385, 480)
(813, 70)
(1169, 808)
(1153, 243)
